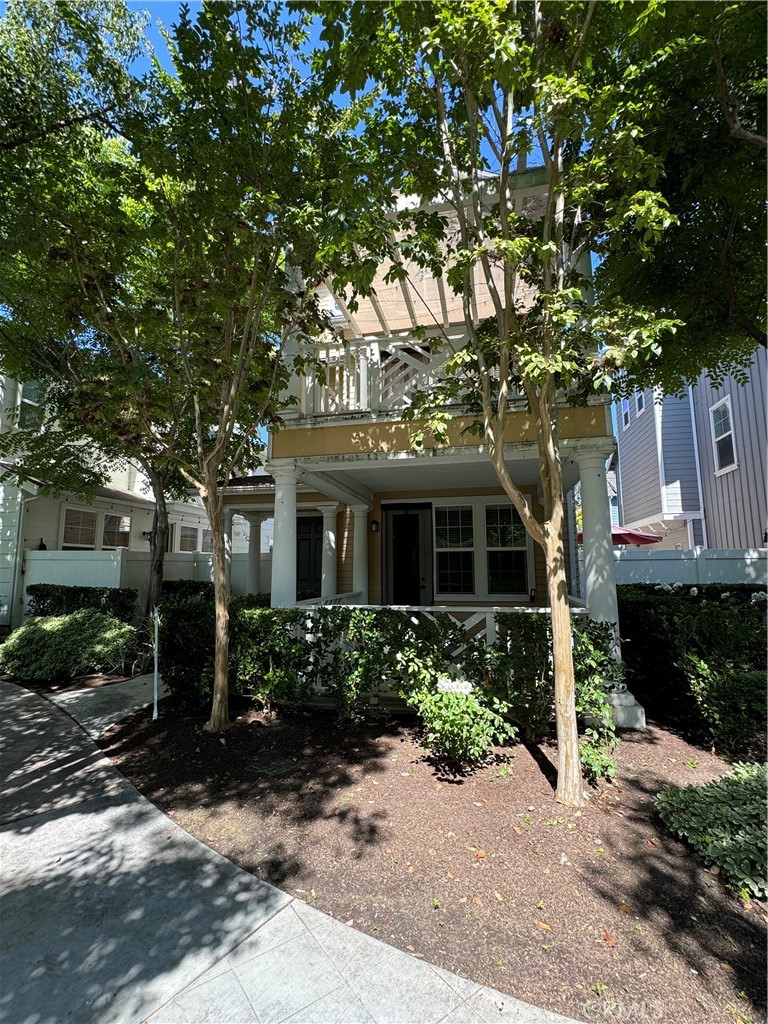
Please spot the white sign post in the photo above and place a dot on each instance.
(156, 617)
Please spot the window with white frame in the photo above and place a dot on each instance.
(640, 402)
(455, 549)
(117, 531)
(625, 412)
(30, 411)
(506, 547)
(79, 530)
(188, 538)
(722, 435)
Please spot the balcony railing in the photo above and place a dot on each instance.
(367, 376)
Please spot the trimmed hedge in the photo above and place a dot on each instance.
(699, 652)
(176, 591)
(53, 648)
(661, 625)
(726, 823)
(56, 599)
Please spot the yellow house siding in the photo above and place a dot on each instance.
(395, 436)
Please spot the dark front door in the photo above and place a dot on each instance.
(309, 556)
(408, 560)
(406, 578)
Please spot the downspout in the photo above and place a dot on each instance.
(697, 463)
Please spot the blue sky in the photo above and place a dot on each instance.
(163, 12)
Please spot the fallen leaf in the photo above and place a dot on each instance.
(650, 842)
(350, 922)
(519, 831)
(477, 804)
(410, 949)
(480, 854)
(451, 876)
(431, 853)
(498, 896)
(463, 899)
(727, 968)
(609, 939)
(477, 901)
(450, 835)
(544, 927)
(410, 870)
(625, 909)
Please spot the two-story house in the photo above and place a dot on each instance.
(693, 469)
(361, 516)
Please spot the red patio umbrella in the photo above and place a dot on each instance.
(623, 535)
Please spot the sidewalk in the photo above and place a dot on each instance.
(111, 913)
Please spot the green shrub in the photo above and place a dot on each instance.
(62, 647)
(725, 822)
(662, 625)
(731, 702)
(461, 727)
(176, 591)
(55, 599)
(270, 655)
(521, 673)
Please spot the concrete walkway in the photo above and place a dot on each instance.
(111, 913)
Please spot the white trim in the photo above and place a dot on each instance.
(658, 421)
(721, 471)
(697, 463)
(624, 414)
(638, 409)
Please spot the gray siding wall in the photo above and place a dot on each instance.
(680, 484)
(640, 489)
(735, 502)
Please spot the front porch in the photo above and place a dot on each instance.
(430, 530)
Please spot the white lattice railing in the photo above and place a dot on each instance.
(367, 375)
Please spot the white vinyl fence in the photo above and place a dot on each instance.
(698, 565)
(127, 569)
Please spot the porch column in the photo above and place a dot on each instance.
(599, 572)
(254, 582)
(328, 582)
(360, 552)
(228, 517)
(284, 542)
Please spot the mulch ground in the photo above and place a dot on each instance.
(596, 913)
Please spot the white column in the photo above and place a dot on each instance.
(254, 581)
(328, 584)
(360, 553)
(599, 572)
(228, 517)
(284, 542)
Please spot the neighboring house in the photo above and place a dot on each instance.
(693, 469)
(117, 517)
(361, 517)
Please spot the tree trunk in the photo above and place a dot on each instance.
(569, 781)
(158, 542)
(219, 720)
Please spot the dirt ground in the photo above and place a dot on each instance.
(598, 913)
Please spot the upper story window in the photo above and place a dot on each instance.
(455, 543)
(30, 410)
(640, 402)
(625, 412)
(206, 543)
(723, 442)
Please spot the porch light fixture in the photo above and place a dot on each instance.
(374, 526)
(146, 534)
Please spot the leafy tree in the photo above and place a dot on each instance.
(701, 68)
(467, 93)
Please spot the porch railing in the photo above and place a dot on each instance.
(476, 622)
